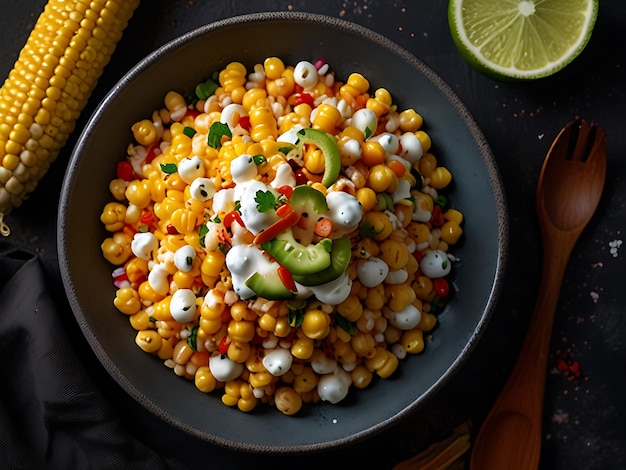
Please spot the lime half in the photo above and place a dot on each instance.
(521, 39)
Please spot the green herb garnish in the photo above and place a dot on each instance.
(192, 339)
(189, 131)
(265, 201)
(345, 324)
(259, 159)
(216, 132)
(169, 168)
(206, 89)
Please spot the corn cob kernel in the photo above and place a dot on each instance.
(51, 81)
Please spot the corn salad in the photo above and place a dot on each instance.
(282, 237)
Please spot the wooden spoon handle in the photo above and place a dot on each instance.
(510, 437)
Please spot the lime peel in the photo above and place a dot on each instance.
(521, 39)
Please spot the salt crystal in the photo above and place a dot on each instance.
(614, 246)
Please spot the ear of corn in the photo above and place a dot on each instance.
(54, 75)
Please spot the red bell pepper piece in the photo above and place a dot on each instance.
(287, 279)
(284, 210)
(151, 154)
(286, 191)
(232, 216)
(125, 171)
(306, 98)
(441, 287)
(277, 228)
(223, 346)
(437, 218)
(244, 121)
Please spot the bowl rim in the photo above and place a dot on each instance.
(495, 183)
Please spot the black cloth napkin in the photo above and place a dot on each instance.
(51, 414)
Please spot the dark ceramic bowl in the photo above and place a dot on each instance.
(179, 65)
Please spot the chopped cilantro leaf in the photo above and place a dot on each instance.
(169, 168)
(367, 230)
(189, 131)
(295, 317)
(202, 233)
(265, 201)
(206, 89)
(192, 339)
(216, 132)
(345, 324)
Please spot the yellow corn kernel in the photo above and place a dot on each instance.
(213, 263)
(413, 341)
(389, 367)
(248, 401)
(351, 308)
(381, 178)
(314, 160)
(138, 193)
(427, 321)
(238, 352)
(394, 253)
(144, 132)
(182, 352)
(148, 340)
(440, 177)
(287, 400)
(127, 300)
(233, 76)
(204, 380)
(367, 198)
(282, 327)
(183, 280)
(283, 86)
(44, 94)
(305, 381)
(140, 320)
(116, 249)
(419, 232)
(263, 124)
(380, 103)
(302, 347)
(147, 293)
(315, 324)
(363, 344)
(184, 220)
(162, 309)
(327, 118)
(453, 215)
(400, 296)
(267, 322)
(424, 139)
(136, 269)
(376, 360)
(427, 164)
(241, 331)
(375, 298)
(113, 215)
(356, 85)
(423, 287)
(451, 232)
(379, 223)
(410, 120)
(361, 376)
(252, 97)
(209, 326)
